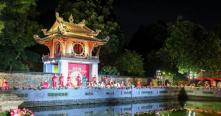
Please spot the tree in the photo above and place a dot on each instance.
(192, 48)
(109, 70)
(98, 15)
(17, 28)
(158, 60)
(2, 6)
(130, 63)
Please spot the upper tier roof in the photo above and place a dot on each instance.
(69, 29)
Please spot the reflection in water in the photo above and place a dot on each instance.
(166, 108)
(182, 97)
(204, 107)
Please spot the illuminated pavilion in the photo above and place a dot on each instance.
(71, 46)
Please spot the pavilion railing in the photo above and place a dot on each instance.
(69, 55)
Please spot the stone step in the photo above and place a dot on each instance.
(9, 101)
(9, 97)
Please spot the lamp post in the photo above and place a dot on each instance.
(192, 75)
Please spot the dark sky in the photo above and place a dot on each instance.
(131, 14)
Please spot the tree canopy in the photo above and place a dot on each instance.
(183, 46)
(17, 28)
(98, 14)
(130, 63)
(18, 24)
(192, 48)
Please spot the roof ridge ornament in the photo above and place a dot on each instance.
(35, 36)
(71, 19)
(45, 32)
(61, 29)
(59, 19)
(82, 23)
(107, 38)
(97, 31)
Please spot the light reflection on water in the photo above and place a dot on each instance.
(145, 108)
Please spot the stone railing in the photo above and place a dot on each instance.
(48, 97)
(203, 92)
(69, 55)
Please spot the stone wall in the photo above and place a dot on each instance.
(24, 79)
(202, 92)
(52, 97)
(33, 79)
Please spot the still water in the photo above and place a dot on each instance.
(145, 108)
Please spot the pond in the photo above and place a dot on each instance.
(144, 108)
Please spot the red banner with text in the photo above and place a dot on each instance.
(75, 69)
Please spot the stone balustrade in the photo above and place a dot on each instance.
(51, 97)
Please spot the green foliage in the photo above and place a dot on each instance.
(17, 30)
(2, 6)
(4, 114)
(191, 47)
(109, 70)
(159, 60)
(99, 16)
(187, 47)
(17, 27)
(130, 63)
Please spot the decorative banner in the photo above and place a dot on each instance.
(75, 69)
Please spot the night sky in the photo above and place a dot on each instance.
(131, 14)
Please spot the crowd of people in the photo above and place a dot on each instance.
(59, 82)
(83, 82)
(104, 82)
(200, 84)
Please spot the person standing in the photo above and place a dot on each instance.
(69, 83)
(138, 84)
(84, 79)
(5, 85)
(54, 83)
(78, 79)
(61, 81)
(94, 79)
